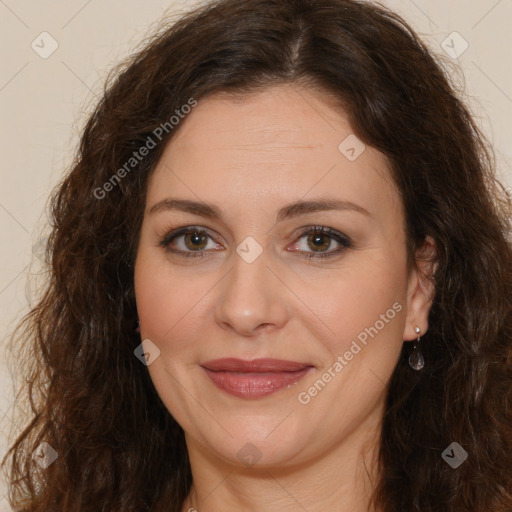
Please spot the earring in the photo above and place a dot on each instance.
(137, 328)
(416, 359)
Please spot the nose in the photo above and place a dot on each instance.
(252, 297)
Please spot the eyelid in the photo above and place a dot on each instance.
(333, 234)
(174, 233)
(343, 240)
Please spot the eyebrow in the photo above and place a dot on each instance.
(289, 211)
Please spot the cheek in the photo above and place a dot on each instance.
(364, 310)
(165, 299)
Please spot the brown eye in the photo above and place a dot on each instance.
(189, 241)
(319, 239)
(195, 241)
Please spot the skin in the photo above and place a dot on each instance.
(250, 157)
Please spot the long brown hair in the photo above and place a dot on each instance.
(118, 447)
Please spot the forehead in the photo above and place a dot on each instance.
(284, 117)
(281, 142)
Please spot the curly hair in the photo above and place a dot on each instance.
(119, 448)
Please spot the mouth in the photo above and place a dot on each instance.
(257, 378)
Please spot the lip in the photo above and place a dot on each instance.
(256, 378)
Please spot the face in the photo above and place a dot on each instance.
(271, 232)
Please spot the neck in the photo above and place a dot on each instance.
(342, 479)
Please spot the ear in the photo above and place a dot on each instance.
(420, 289)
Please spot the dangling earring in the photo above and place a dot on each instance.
(137, 328)
(416, 359)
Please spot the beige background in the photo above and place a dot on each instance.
(44, 103)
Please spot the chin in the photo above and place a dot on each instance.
(257, 443)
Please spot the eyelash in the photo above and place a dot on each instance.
(323, 230)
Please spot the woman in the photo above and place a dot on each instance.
(280, 280)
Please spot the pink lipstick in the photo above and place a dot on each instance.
(256, 378)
